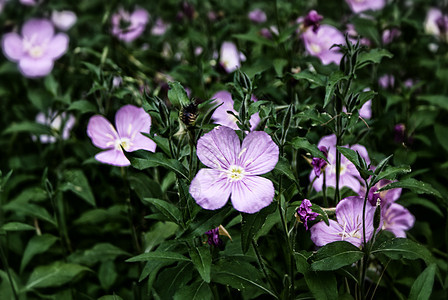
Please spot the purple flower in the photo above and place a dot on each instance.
(233, 170)
(230, 58)
(400, 133)
(397, 220)
(126, 26)
(362, 5)
(431, 25)
(386, 197)
(319, 43)
(63, 20)
(386, 81)
(389, 35)
(37, 48)
(257, 16)
(130, 122)
(60, 123)
(221, 115)
(349, 176)
(312, 19)
(305, 213)
(29, 2)
(159, 27)
(348, 225)
(213, 238)
(353, 36)
(319, 163)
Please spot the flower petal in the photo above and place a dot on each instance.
(40, 30)
(397, 219)
(252, 193)
(130, 118)
(259, 154)
(57, 46)
(12, 46)
(321, 234)
(113, 157)
(210, 189)
(220, 115)
(219, 148)
(101, 132)
(35, 67)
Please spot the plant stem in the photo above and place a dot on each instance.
(260, 262)
(8, 273)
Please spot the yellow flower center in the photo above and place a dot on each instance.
(235, 173)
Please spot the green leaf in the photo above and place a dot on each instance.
(239, 275)
(199, 290)
(254, 38)
(373, 56)
(177, 95)
(51, 85)
(142, 159)
(16, 226)
(391, 173)
(40, 98)
(314, 78)
(159, 255)
(251, 224)
(167, 209)
(110, 297)
(99, 253)
(414, 185)
(301, 259)
(29, 209)
(437, 100)
(302, 143)
(83, 106)
(399, 248)
(351, 155)
(333, 80)
(422, 287)
(29, 127)
(202, 259)
(54, 275)
(37, 244)
(279, 64)
(335, 255)
(283, 166)
(206, 220)
(323, 285)
(441, 135)
(107, 274)
(76, 181)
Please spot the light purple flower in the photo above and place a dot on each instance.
(159, 27)
(29, 2)
(319, 163)
(257, 16)
(130, 122)
(233, 170)
(229, 57)
(268, 32)
(349, 175)
(366, 110)
(397, 220)
(126, 26)
(319, 43)
(221, 115)
(37, 48)
(63, 20)
(430, 24)
(389, 35)
(348, 225)
(353, 36)
(386, 197)
(386, 81)
(60, 123)
(305, 213)
(362, 5)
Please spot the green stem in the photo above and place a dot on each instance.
(260, 262)
(8, 273)
(324, 189)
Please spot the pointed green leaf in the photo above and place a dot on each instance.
(29, 127)
(202, 259)
(142, 159)
(302, 143)
(54, 275)
(399, 248)
(37, 244)
(333, 80)
(335, 255)
(422, 287)
(16, 226)
(414, 185)
(159, 255)
(83, 106)
(251, 224)
(76, 181)
(314, 78)
(167, 209)
(196, 291)
(177, 95)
